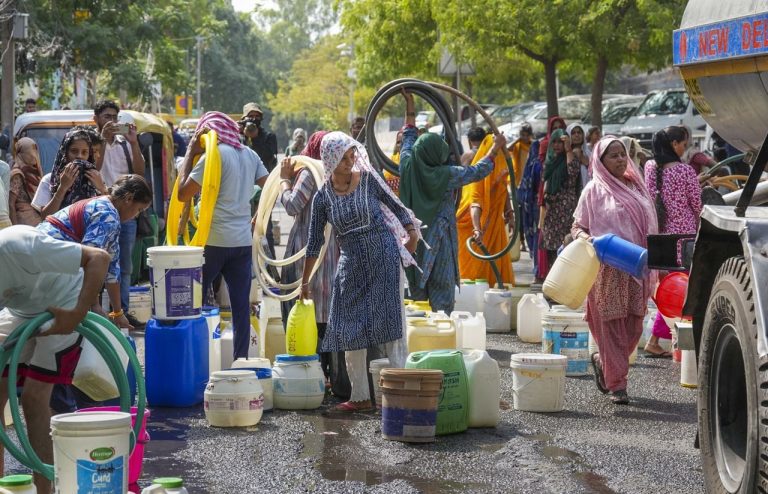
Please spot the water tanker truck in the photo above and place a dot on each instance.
(721, 50)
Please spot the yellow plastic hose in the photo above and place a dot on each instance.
(209, 194)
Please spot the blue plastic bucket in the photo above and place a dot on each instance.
(621, 254)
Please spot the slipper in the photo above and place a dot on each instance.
(657, 355)
(353, 407)
(599, 379)
(620, 397)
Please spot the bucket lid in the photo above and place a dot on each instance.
(90, 420)
(539, 359)
(285, 358)
(467, 282)
(232, 373)
(481, 280)
(564, 315)
(210, 310)
(139, 289)
(176, 250)
(425, 374)
(16, 480)
(170, 482)
(261, 372)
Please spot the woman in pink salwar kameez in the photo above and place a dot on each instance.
(616, 201)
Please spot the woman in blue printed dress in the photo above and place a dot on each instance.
(371, 225)
(96, 222)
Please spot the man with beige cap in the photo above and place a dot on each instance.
(258, 138)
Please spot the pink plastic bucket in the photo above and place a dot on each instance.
(137, 455)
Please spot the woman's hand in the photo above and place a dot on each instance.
(286, 169)
(499, 142)
(567, 142)
(410, 108)
(122, 322)
(509, 218)
(478, 236)
(68, 176)
(413, 241)
(94, 177)
(306, 293)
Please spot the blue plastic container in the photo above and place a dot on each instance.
(176, 364)
(621, 254)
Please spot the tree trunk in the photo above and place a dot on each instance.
(598, 85)
(550, 72)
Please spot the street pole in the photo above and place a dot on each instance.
(7, 99)
(199, 59)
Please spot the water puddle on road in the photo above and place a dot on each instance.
(340, 456)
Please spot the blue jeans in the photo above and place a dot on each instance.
(234, 264)
(127, 241)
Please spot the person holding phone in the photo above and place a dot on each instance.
(121, 156)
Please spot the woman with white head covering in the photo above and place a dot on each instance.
(298, 141)
(580, 150)
(371, 225)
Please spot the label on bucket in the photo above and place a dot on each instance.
(181, 291)
(402, 422)
(235, 404)
(572, 344)
(299, 387)
(97, 477)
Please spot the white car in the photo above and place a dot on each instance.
(661, 109)
(466, 121)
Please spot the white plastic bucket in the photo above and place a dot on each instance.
(299, 382)
(538, 382)
(176, 277)
(90, 451)
(497, 310)
(375, 369)
(689, 377)
(566, 333)
(233, 398)
(92, 375)
(266, 382)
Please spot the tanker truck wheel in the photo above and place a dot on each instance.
(733, 388)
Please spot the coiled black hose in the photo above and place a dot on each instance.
(430, 92)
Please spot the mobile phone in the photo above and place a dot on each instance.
(122, 129)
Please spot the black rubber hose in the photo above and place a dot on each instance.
(430, 92)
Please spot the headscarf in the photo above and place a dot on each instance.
(628, 141)
(663, 152)
(556, 165)
(298, 132)
(569, 131)
(225, 127)
(608, 205)
(332, 149)
(30, 172)
(424, 176)
(312, 149)
(82, 188)
(545, 141)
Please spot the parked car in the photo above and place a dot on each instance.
(615, 113)
(512, 113)
(466, 119)
(512, 130)
(661, 109)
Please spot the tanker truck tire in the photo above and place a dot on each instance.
(733, 388)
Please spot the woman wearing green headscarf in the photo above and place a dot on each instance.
(429, 185)
(561, 192)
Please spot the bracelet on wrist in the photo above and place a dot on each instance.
(115, 315)
(290, 182)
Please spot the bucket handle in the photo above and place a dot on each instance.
(516, 391)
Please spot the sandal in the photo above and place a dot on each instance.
(620, 397)
(663, 354)
(353, 406)
(598, 370)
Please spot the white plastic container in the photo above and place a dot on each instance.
(481, 286)
(90, 451)
(92, 375)
(166, 485)
(689, 377)
(375, 369)
(497, 309)
(484, 380)
(266, 381)
(466, 300)
(538, 382)
(213, 318)
(233, 398)
(299, 382)
(176, 277)
(17, 484)
(470, 330)
(529, 312)
(140, 303)
(517, 294)
(226, 346)
(567, 333)
(274, 338)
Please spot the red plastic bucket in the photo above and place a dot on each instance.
(136, 459)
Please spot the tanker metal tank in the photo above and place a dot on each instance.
(721, 50)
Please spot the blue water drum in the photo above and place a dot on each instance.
(621, 254)
(176, 364)
(131, 376)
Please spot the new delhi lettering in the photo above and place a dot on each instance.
(753, 34)
(713, 42)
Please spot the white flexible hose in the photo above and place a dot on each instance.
(269, 197)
